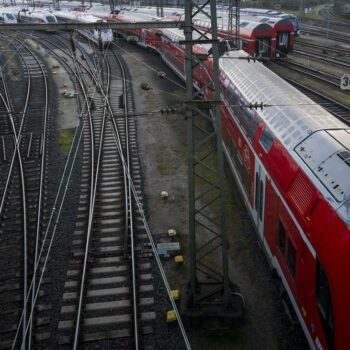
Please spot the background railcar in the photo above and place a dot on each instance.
(103, 36)
(7, 17)
(37, 16)
(283, 31)
(272, 14)
(258, 39)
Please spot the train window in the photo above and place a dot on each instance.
(246, 119)
(291, 258)
(281, 239)
(253, 126)
(245, 178)
(229, 144)
(261, 196)
(283, 39)
(324, 304)
(51, 19)
(256, 191)
(266, 140)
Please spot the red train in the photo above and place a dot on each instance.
(291, 161)
(264, 37)
(258, 39)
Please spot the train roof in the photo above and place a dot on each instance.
(318, 141)
(77, 16)
(273, 21)
(246, 27)
(37, 14)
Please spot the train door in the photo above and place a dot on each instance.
(263, 47)
(282, 43)
(259, 197)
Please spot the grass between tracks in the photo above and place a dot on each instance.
(65, 139)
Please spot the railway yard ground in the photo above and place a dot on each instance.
(162, 145)
(159, 160)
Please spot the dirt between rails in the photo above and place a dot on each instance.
(163, 154)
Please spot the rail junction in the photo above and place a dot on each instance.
(108, 287)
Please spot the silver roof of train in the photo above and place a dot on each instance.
(317, 140)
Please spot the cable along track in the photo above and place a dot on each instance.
(109, 290)
(22, 205)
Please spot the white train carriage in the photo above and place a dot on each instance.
(93, 34)
(34, 16)
(7, 16)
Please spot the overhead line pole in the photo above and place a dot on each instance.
(234, 19)
(211, 297)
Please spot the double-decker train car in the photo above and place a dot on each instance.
(291, 161)
(258, 39)
(272, 14)
(103, 36)
(284, 33)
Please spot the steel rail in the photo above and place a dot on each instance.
(129, 207)
(54, 208)
(154, 248)
(91, 210)
(127, 187)
(311, 72)
(17, 151)
(39, 201)
(324, 58)
(41, 179)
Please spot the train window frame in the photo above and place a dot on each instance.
(253, 126)
(261, 198)
(281, 237)
(257, 191)
(324, 304)
(266, 139)
(291, 258)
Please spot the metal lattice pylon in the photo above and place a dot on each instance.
(234, 18)
(160, 12)
(210, 295)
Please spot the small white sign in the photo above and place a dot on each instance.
(345, 82)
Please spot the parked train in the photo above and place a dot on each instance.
(291, 161)
(263, 37)
(36, 16)
(7, 17)
(258, 39)
(272, 14)
(103, 36)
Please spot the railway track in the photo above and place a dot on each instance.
(101, 300)
(324, 50)
(22, 205)
(325, 58)
(330, 34)
(313, 73)
(109, 293)
(339, 110)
